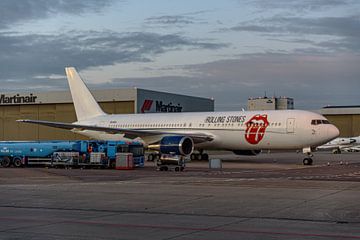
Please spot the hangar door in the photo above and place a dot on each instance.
(290, 125)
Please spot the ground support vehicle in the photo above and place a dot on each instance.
(170, 162)
(134, 147)
(67, 153)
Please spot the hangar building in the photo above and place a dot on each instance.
(346, 118)
(57, 106)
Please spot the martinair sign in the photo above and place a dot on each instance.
(160, 106)
(17, 99)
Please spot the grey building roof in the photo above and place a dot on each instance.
(336, 110)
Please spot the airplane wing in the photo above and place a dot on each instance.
(355, 148)
(128, 133)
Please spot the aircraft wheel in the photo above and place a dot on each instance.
(205, 156)
(17, 162)
(337, 151)
(307, 161)
(112, 164)
(6, 162)
(193, 156)
(151, 157)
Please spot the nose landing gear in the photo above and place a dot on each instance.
(308, 160)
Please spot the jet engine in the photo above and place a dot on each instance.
(247, 152)
(178, 145)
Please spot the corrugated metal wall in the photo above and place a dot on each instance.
(348, 124)
(64, 112)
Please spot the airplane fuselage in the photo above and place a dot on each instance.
(238, 130)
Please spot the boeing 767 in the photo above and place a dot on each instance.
(243, 132)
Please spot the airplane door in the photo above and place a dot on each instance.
(290, 125)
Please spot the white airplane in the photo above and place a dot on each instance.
(352, 149)
(243, 132)
(351, 144)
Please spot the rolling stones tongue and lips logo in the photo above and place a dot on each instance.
(255, 128)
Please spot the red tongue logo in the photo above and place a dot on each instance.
(255, 128)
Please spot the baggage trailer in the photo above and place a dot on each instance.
(67, 153)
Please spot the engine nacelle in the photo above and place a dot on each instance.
(178, 145)
(247, 152)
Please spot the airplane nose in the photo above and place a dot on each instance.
(333, 132)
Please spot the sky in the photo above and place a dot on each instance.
(228, 50)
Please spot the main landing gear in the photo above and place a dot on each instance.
(153, 157)
(199, 156)
(308, 160)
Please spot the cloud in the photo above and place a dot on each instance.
(30, 55)
(300, 6)
(178, 21)
(170, 20)
(12, 12)
(314, 80)
(336, 26)
(343, 32)
(27, 84)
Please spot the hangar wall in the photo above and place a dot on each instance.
(349, 125)
(57, 106)
(60, 112)
(346, 118)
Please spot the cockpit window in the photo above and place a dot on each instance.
(319, 121)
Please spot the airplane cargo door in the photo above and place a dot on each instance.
(290, 125)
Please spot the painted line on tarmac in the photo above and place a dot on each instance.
(209, 229)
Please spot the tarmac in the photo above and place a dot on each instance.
(269, 196)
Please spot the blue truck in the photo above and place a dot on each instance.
(81, 153)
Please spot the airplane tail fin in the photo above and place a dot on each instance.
(85, 104)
